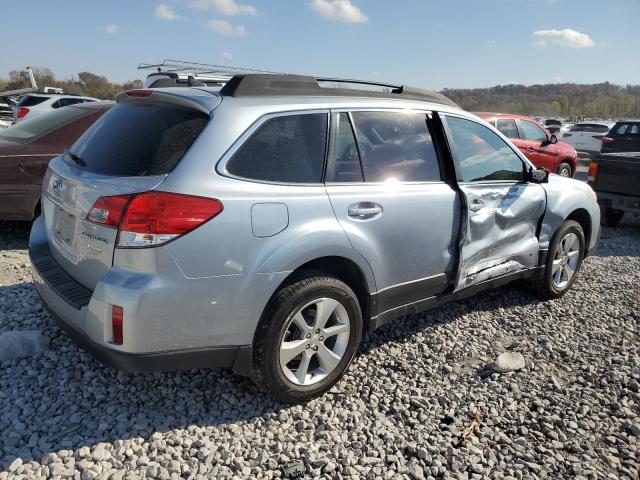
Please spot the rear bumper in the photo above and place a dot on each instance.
(626, 203)
(78, 311)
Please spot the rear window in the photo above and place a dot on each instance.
(287, 149)
(30, 128)
(30, 101)
(137, 139)
(589, 127)
(627, 129)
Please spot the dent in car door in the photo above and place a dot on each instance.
(502, 211)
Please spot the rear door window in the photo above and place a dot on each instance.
(284, 149)
(137, 139)
(396, 145)
(344, 161)
(508, 127)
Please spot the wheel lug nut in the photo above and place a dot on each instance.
(307, 346)
(308, 335)
(321, 338)
(315, 349)
(318, 330)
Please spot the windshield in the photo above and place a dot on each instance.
(31, 128)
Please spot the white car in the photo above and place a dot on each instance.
(37, 103)
(587, 136)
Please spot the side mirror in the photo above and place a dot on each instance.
(553, 139)
(539, 175)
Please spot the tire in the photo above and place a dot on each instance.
(548, 286)
(565, 170)
(280, 323)
(611, 217)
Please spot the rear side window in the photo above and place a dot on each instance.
(137, 139)
(396, 145)
(287, 149)
(30, 101)
(508, 127)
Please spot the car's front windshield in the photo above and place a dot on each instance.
(31, 128)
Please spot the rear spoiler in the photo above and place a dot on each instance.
(203, 103)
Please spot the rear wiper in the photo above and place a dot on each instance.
(76, 159)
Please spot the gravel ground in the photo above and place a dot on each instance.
(406, 409)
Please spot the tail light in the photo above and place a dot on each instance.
(593, 171)
(22, 112)
(152, 218)
(117, 320)
(566, 135)
(607, 141)
(138, 93)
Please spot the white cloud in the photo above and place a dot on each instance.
(223, 7)
(227, 55)
(165, 12)
(226, 28)
(111, 29)
(338, 10)
(562, 38)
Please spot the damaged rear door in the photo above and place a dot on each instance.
(502, 209)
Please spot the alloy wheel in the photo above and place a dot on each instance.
(314, 341)
(565, 260)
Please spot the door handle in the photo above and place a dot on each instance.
(476, 204)
(364, 211)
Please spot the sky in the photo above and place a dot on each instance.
(426, 43)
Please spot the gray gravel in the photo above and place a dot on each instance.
(420, 400)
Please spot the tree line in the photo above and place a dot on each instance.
(603, 100)
(86, 83)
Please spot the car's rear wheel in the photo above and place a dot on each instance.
(611, 216)
(564, 170)
(306, 338)
(564, 260)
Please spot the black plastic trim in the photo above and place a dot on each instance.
(57, 279)
(272, 85)
(437, 300)
(406, 293)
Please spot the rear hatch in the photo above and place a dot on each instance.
(618, 173)
(131, 149)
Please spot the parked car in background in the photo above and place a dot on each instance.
(587, 136)
(266, 225)
(541, 147)
(615, 177)
(624, 136)
(27, 147)
(34, 104)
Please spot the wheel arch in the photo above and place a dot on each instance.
(582, 216)
(344, 269)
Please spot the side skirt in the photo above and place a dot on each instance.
(437, 300)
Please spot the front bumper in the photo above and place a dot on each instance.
(74, 308)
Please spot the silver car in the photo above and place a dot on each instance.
(266, 225)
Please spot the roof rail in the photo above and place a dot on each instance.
(269, 85)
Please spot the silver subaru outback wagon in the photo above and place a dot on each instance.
(266, 225)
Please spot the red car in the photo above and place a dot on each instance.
(535, 141)
(27, 147)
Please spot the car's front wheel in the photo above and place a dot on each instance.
(564, 170)
(306, 338)
(564, 260)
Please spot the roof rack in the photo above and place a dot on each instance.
(268, 85)
(249, 82)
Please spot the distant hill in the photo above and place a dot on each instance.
(604, 100)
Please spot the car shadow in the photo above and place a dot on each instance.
(14, 235)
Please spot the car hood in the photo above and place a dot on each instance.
(559, 183)
(565, 149)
